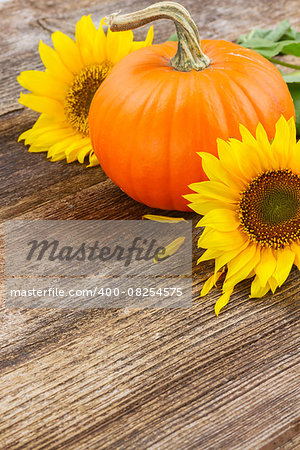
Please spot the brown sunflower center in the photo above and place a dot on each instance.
(81, 93)
(269, 208)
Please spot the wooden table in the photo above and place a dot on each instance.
(136, 379)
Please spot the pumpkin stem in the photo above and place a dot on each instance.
(189, 55)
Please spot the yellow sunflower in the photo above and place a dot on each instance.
(251, 208)
(64, 91)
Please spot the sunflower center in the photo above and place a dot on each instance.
(269, 209)
(81, 93)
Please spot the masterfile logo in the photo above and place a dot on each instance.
(139, 250)
(54, 247)
(98, 264)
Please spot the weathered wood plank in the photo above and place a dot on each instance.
(163, 370)
(128, 378)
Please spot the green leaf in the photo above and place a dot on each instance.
(268, 49)
(283, 32)
(291, 34)
(255, 33)
(292, 77)
(174, 37)
(291, 49)
(295, 92)
(282, 39)
(278, 32)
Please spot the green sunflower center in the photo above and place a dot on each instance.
(81, 93)
(269, 208)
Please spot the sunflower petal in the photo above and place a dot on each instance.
(149, 37)
(141, 44)
(209, 254)
(67, 51)
(214, 190)
(100, 53)
(163, 219)
(85, 36)
(247, 161)
(93, 160)
(293, 131)
(42, 104)
(295, 247)
(257, 290)
(285, 261)
(241, 267)
(74, 148)
(54, 64)
(246, 136)
(262, 137)
(222, 241)
(41, 83)
(39, 135)
(37, 149)
(273, 284)
(226, 157)
(60, 148)
(216, 172)
(222, 301)
(228, 256)
(203, 206)
(84, 152)
(124, 46)
(220, 219)
(266, 266)
(210, 283)
(281, 144)
(294, 162)
(169, 249)
(112, 45)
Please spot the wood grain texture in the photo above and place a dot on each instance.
(131, 379)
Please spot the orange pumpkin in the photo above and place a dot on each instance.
(155, 111)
